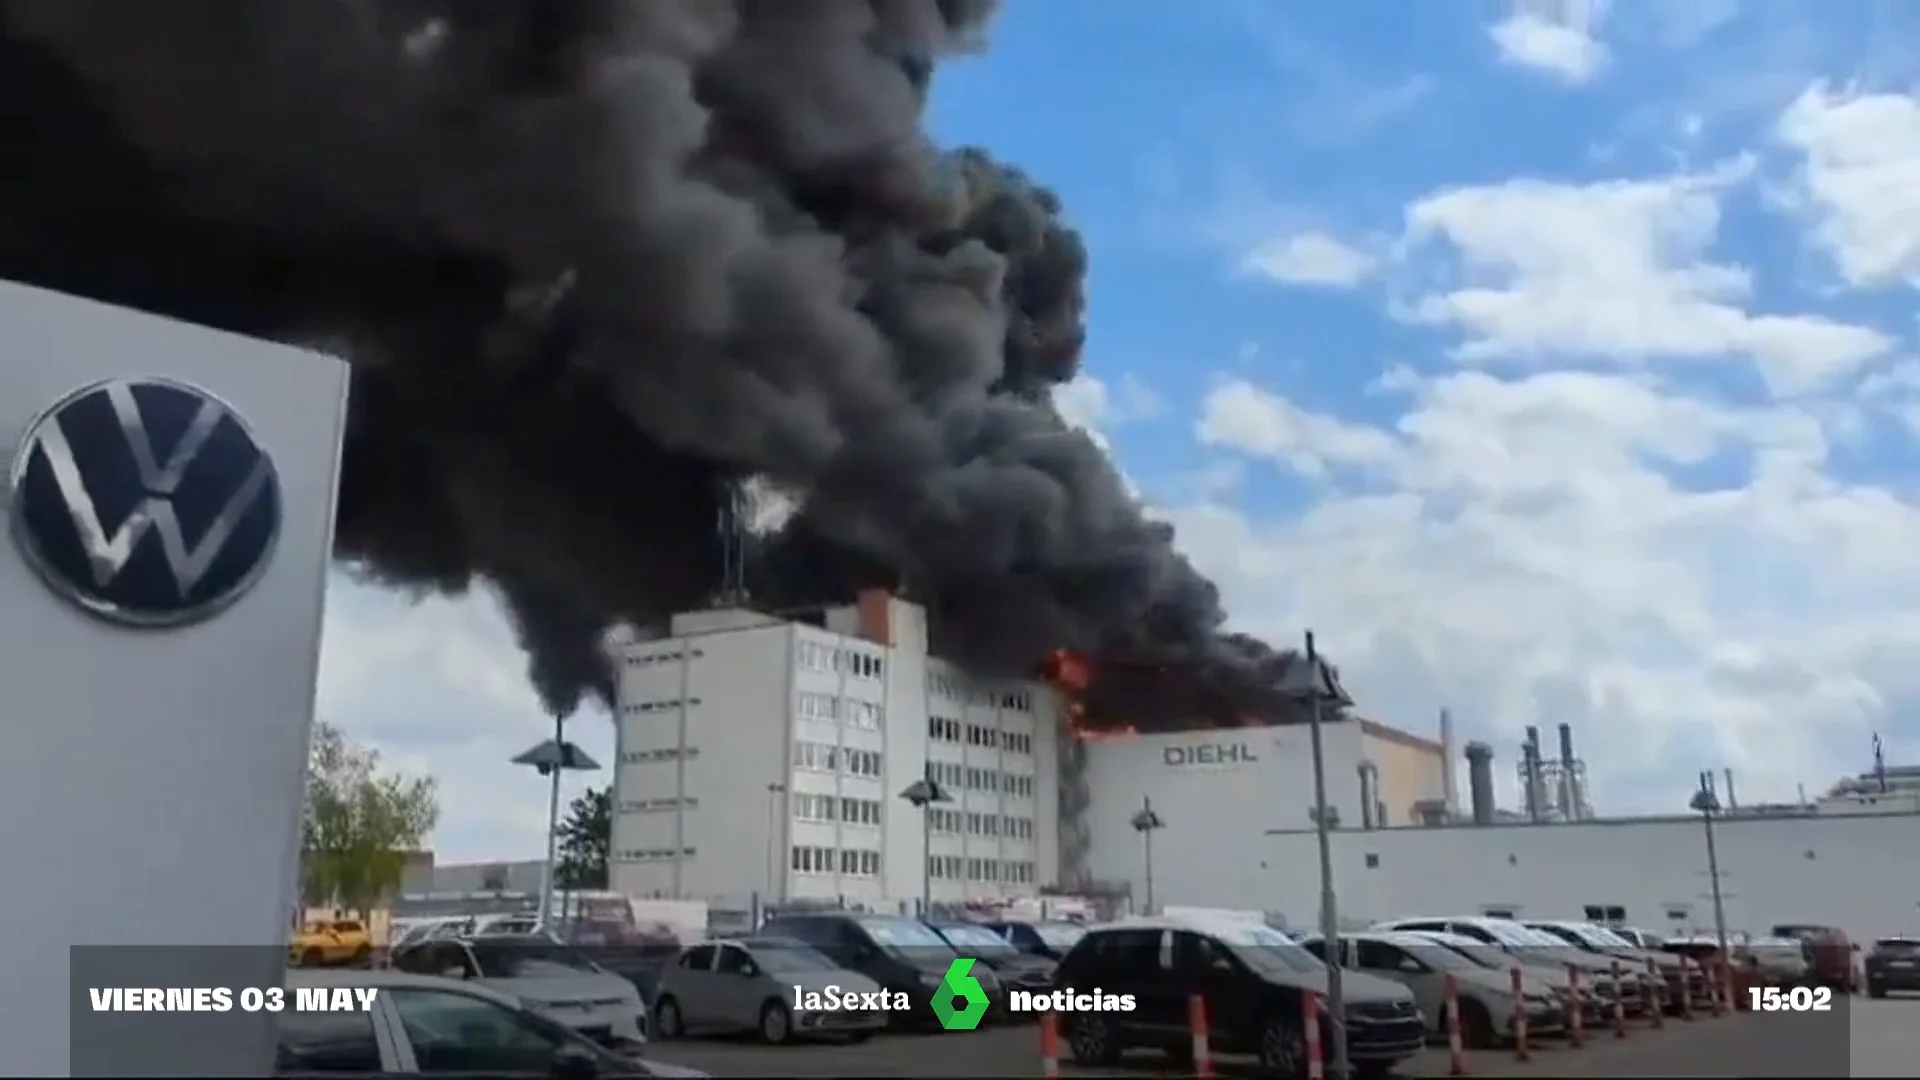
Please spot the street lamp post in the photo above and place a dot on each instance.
(550, 759)
(1318, 685)
(1145, 822)
(1707, 804)
(924, 794)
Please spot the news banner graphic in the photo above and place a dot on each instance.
(220, 999)
(960, 1003)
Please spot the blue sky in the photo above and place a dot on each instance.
(1554, 361)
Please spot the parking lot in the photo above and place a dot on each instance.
(1867, 1038)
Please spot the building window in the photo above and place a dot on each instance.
(670, 753)
(946, 867)
(662, 658)
(943, 729)
(861, 763)
(864, 715)
(815, 860)
(1606, 913)
(1017, 741)
(648, 806)
(815, 657)
(860, 863)
(941, 819)
(823, 707)
(860, 811)
(635, 855)
(661, 705)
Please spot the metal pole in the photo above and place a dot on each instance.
(1146, 836)
(1713, 878)
(553, 829)
(1329, 909)
(773, 830)
(926, 864)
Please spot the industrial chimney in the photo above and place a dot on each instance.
(1732, 802)
(1530, 775)
(1480, 781)
(1569, 793)
(1369, 794)
(1449, 785)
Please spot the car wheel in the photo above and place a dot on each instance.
(311, 958)
(1876, 991)
(667, 1022)
(1094, 1039)
(855, 1038)
(1283, 1049)
(776, 1023)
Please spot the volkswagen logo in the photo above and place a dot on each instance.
(146, 501)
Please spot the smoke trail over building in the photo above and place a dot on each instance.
(597, 263)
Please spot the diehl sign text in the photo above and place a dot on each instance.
(1209, 754)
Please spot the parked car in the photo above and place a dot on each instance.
(1253, 980)
(1588, 998)
(1893, 965)
(1487, 1006)
(1829, 951)
(550, 978)
(1532, 948)
(331, 941)
(748, 985)
(422, 1024)
(1015, 969)
(1680, 980)
(1779, 961)
(1050, 938)
(897, 953)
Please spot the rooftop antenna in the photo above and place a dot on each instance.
(735, 515)
(1879, 763)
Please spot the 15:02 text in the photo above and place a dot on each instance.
(1790, 999)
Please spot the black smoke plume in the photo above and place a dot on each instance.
(599, 262)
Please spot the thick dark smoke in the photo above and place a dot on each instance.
(599, 262)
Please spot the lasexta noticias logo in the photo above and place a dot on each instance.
(960, 1003)
(146, 501)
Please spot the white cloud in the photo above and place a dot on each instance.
(440, 688)
(1519, 549)
(1858, 180)
(1556, 37)
(1311, 258)
(1617, 271)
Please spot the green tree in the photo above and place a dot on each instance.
(360, 822)
(586, 841)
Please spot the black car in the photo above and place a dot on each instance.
(1254, 981)
(1893, 966)
(1049, 938)
(897, 953)
(1016, 970)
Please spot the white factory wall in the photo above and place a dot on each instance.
(763, 758)
(1860, 873)
(1214, 848)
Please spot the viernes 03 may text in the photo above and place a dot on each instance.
(221, 999)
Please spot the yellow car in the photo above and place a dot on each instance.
(323, 942)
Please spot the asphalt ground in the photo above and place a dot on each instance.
(1860, 1038)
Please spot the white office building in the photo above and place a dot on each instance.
(759, 757)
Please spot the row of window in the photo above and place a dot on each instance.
(952, 689)
(847, 862)
(971, 778)
(822, 757)
(831, 808)
(853, 663)
(673, 705)
(837, 710)
(964, 868)
(971, 823)
(647, 806)
(947, 729)
(665, 753)
(663, 658)
(653, 854)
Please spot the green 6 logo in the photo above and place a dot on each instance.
(960, 1003)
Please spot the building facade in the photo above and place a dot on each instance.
(1221, 792)
(1854, 871)
(759, 758)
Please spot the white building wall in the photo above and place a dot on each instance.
(1860, 873)
(758, 757)
(1218, 815)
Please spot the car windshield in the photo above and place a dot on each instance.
(1573, 935)
(529, 959)
(897, 934)
(1482, 954)
(1439, 957)
(790, 959)
(1517, 935)
(1651, 941)
(1266, 949)
(975, 939)
(1060, 935)
(1608, 938)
